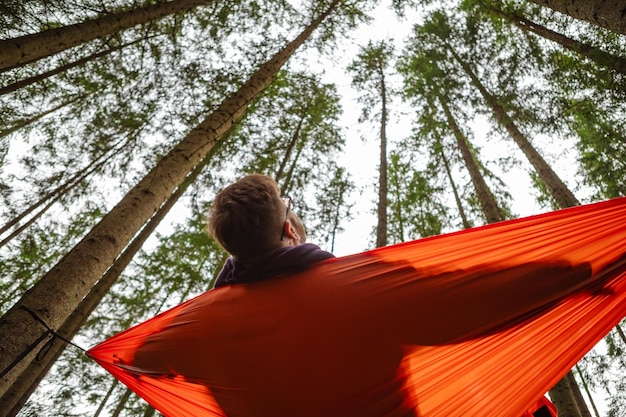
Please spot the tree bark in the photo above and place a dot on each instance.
(381, 228)
(289, 150)
(487, 201)
(29, 48)
(17, 395)
(563, 398)
(557, 188)
(62, 68)
(47, 304)
(106, 397)
(609, 14)
(39, 116)
(578, 396)
(563, 395)
(122, 403)
(597, 55)
(455, 192)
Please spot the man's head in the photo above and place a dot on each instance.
(248, 218)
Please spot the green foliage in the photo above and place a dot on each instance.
(415, 203)
(370, 75)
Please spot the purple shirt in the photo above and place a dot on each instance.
(286, 260)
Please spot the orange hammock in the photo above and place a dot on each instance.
(474, 323)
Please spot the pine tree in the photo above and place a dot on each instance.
(82, 266)
(370, 77)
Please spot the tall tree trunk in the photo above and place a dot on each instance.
(562, 394)
(597, 55)
(455, 192)
(62, 68)
(563, 398)
(39, 116)
(19, 392)
(557, 188)
(106, 397)
(578, 395)
(397, 218)
(289, 150)
(29, 48)
(53, 196)
(381, 228)
(122, 403)
(485, 197)
(286, 186)
(610, 14)
(48, 303)
(150, 411)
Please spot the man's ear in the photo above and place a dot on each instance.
(290, 232)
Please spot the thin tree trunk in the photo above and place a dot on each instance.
(292, 167)
(289, 150)
(122, 403)
(104, 400)
(381, 228)
(609, 14)
(77, 177)
(485, 197)
(48, 303)
(585, 409)
(597, 55)
(29, 48)
(398, 218)
(620, 332)
(557, 188)
(17, 395)
(40, 77)
(150, 411)
(39, 116)
(457, 199)
(51, 198)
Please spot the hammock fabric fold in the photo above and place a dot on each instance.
(473, 323)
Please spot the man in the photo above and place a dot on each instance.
(341, 337)
(259, 229)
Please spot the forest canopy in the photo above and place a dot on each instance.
(385, 121)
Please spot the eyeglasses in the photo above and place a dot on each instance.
(289, 204)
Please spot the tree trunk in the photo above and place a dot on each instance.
(457, 199)
(53, 196)
(563, 398)
(25, 49)
(597, 55)
(17, 395)
(609, 14)
(41, 115)
(40, 77)
(150, 411)
(557, 188)
(397, 195)
(47, 304)
(381, 228)
(578, 396)
(286, 186)
(487, 201)
(289, 150)
(122, 403)
(105, 399)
